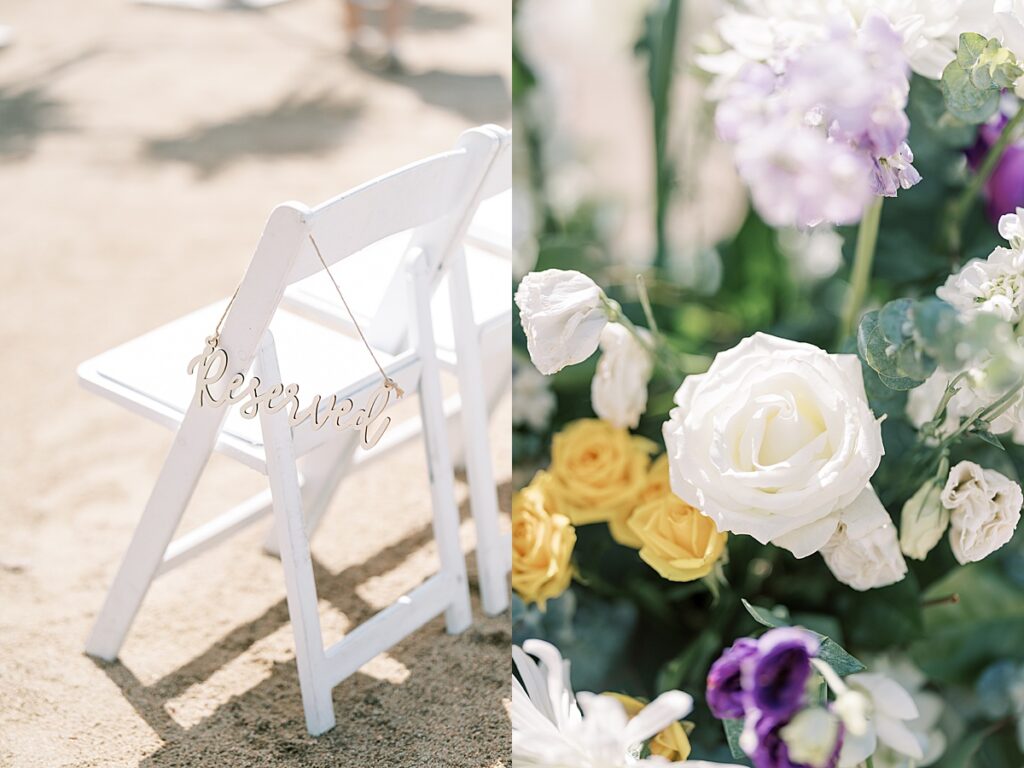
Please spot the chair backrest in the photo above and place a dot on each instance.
(440, 238)
(431, 197)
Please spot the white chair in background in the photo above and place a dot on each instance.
(433, 198)
(474, 341)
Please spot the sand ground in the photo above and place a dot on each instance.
(140, 152)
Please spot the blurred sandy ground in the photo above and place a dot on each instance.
(141, 150)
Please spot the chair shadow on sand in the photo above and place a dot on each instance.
(379, 722)
(295, 126)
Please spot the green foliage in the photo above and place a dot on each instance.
(829, 651)
(985, 624)
(971, 83)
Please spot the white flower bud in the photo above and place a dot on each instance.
(923, 522)
(618, 391)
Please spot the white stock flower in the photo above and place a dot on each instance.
(533, 402)
(885, 709)
(863, 552)
(771, 31)
(618, 391)
(923, 521)
(563, 314)
(994, 286)
(552, 728)
(985, 509)
(774, 441)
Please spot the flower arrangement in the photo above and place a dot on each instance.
(769, 384)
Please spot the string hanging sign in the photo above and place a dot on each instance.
(211, 367)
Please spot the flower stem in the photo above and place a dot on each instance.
(863, 257)
(962, 205)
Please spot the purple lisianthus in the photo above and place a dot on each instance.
(1004, 189)
(724, 690)
(772, 751)
(776, 678)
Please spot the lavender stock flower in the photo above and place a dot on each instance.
(819, 137)
(724, 689)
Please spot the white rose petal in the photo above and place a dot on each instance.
(563, 314)
(774, 441)
(985, 509)
(618, 391)
(864, 553)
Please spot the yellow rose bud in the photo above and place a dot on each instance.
(599, 472)
(677, 541)
(673, 743)
(542, 543)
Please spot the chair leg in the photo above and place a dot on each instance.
(174, 487)
(483, 494)
(296, 559)
(322, 470)
(459, 614)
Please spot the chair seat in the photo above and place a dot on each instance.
(490, 279)
(148, 375)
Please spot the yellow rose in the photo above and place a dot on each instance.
(673, 743)
(599, 471)
(657, 484)
(677, 541)
(542, 543)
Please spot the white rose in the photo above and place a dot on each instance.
(985, 509)
(774, 441)
(563, 314)
(863, 552)
(618, 390)
(993, 286)
(923, 521)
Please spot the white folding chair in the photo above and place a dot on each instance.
(472, 312)
(432, 198)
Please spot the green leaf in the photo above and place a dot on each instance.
(697, 656)
(837, 657)
(733, 731)
(764, 617)
(900, 383)
(965, 100)
(988, 437)
(894, 320)
(971, 46)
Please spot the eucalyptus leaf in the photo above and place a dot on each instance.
(965, 100)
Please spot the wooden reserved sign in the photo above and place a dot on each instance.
(211, 365)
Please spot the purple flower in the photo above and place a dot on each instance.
(776, 678)
(1004, 190)
(724, 690)
(773, 752)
